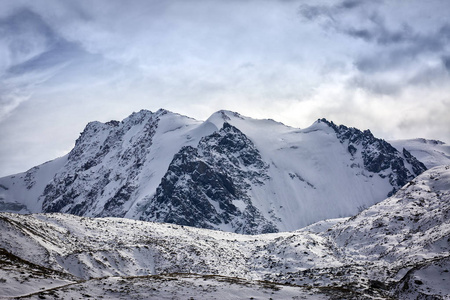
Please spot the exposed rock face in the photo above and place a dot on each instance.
(379, 156)
(208, 186)
(229, 172)
(103, 160)
(431, 153)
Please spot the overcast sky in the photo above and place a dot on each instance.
(378, 65)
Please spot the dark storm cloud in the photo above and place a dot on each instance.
(400, 48)
(20, 27)
(23, 36)
(33, 52)
(446, 62)
(373, 28)
(392, 45)
(54, 50)
(378, 32)
(313, 12)
(397, 47)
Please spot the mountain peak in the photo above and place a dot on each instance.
(138, 117)
(144, 114)
(320, 120)
(220, 117)
(228, 114)
(428, 141)
(225, 115)
(265, 170)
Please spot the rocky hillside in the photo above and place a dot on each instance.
(230, 172)
(398, 248)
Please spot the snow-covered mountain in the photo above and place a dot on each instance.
(229, 172)
(431, 152)
(398, 248)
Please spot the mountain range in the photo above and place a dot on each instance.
(230, 172)
(395, 249)
(162, 206)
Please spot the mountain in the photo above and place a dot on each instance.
(398, 248)
(406, 237)
(230, 172)
(431, 152)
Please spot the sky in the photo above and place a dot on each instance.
(378, 65)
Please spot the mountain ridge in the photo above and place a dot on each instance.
(432, 153)
(306, 175)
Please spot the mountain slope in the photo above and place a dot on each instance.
(408, 233)
(431, 152)
(229, 172)
(206, 186)
(397, 248)
(405, 224)
(20, 277)
(183, 286)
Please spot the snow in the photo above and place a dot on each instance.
(323, 226)
(179, 286)
(324, 186)
(431, 152)
(311, 175)
(435, 276)
(25, 188)
(172, 134)
(356, 244)
(397, 248)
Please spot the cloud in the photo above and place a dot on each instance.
(400, 46)
(446, 62)
(23, 36)
(370, 23)
(71, 62)
(328, 12)
(32, 53)
(398, 51)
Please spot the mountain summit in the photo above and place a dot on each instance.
(230, 172)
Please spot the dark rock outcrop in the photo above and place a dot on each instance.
(209, 186)
(378, 155)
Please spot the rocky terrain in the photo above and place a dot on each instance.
(230, 173)
(398, 248)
